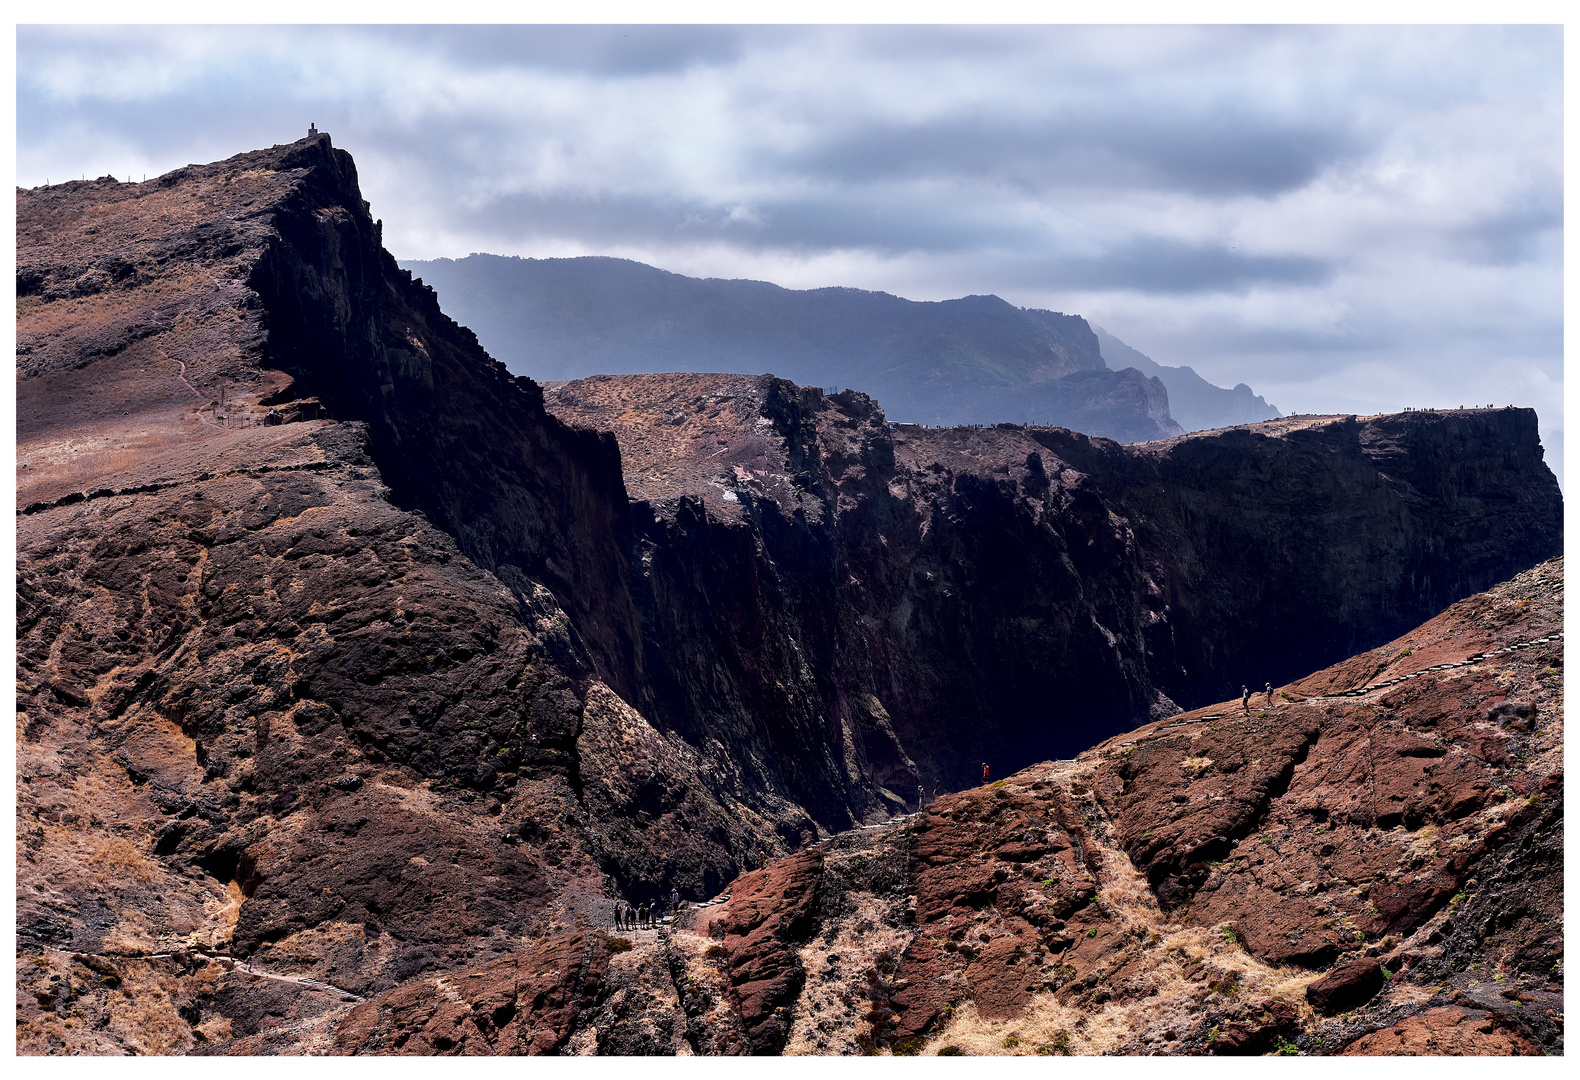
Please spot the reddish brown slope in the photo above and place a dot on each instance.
(1326, 892)
(1379, 871)
(265, 707)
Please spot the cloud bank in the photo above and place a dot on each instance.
(1347, 218)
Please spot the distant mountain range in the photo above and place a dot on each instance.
(977, 359)
(1195, 403)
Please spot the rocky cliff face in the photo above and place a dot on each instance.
(1371, 863)
(868, 608)
(267, 706)
(1195, 403)
(340, 653)
(1368, 864)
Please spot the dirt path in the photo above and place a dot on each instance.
(182, 375)
(300, 980)
(1361, 691)
(1476, 659)
(240, 966)
(213, 421)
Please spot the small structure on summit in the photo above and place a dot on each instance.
(312, 129)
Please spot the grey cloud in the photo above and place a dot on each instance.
(1160, 265)
(1145, 264)
(808, 225)
(598, 50)
(1439, 351)
(888, 222)
(1229, 153)
(1511, 237)
(1056, 166)
(1217, 153)
(593, 218)
(1291, 349)
(1538, 337)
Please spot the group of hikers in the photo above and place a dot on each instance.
(640, 916)
(938, 784)
(1245, 697)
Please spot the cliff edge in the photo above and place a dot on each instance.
(347, 660)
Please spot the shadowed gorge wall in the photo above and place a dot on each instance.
(344, 651)
(896, 604)
(454, 434)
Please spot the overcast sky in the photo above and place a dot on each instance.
(1353, 219)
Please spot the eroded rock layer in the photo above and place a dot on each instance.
(269, 707)
(844, 602)
(1370, 864)
(353, 688)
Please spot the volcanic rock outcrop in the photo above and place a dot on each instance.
(897, 604)
(1370, 864)
(267, 705)
(353, 679)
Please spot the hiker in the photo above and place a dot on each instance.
(619, 915)
(921, 797)
(1269, 695)
(674, 900)
(984, 772)
(1245, 700)
(938, 782)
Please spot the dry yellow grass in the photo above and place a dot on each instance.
(829, 1017)
(116, 860)
(1170, 1003)
(146, 1020)
(1161, 1004)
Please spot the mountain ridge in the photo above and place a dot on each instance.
(344, 653)
(1194, 402)
(975, 359)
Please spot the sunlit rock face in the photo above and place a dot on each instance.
(344, 653)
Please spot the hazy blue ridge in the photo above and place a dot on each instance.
(1194, 402)
(977, 359)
